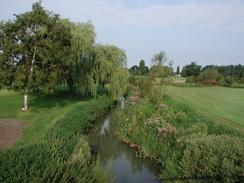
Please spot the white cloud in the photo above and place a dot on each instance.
(217, 14)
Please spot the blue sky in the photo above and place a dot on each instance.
(207, 31)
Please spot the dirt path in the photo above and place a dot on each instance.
(10, 132)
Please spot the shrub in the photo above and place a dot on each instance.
(151, 88)
(191, 79)
(227, 81)
(210, 76)
(213, 156)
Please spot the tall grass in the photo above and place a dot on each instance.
(63, 155)
(174, 134)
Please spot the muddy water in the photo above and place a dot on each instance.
(118, 158)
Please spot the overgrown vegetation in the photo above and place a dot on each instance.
(188, 145)
(62, 155)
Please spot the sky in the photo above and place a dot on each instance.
(205, 31)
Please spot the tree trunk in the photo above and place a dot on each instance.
(25, 108)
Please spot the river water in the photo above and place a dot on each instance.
(118, 158)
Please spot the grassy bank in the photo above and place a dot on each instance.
(221, 104)
(187, 145)
(53, 147)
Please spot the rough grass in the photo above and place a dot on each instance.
(221, 104)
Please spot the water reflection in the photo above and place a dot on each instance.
(105, 127)
(119, 158)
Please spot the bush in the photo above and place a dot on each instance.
(213, 156)
(151, 88)
(191, 79)
(210, 76)
(227, 81)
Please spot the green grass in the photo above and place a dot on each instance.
(43, 114)
(221, 104)
(53, 147)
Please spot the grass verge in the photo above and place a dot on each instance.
(59, 151)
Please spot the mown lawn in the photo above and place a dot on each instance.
(223, 105)
(43, 114)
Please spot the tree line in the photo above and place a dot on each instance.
(40, 51)
(224, 74)
(158, 68)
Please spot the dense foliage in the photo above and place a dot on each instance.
(39, 51)
(33, 52)
(191, 70)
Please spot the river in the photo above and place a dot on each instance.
(118, 158)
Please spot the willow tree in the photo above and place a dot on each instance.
(94, 66)
(159, 58)
(81, 57)
(33, 52)
(109, 71)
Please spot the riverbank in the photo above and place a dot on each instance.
(59, 152)
(188, 146)
(118, 158)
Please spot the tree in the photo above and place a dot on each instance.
(160, 58)
(191, 70)
(134, 70)
(210, 75)
(178, 70)
(143, 69)
(157, 71)
(82, 55)
(139, 71)
(167, 71)
(110, 71)
(34, 49)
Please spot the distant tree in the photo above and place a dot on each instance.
(178, 70)
(33, 52)
(234, 71)
(157, 71)
(210, 75)
(161, 71)
(134, 70)
(167, 71)
(191, 70)
(159, 58)
(143, 69)
(171, 63)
